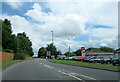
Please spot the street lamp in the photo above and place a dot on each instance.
(69, 48)
(52, 37)
(52, 41)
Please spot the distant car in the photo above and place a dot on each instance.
(60, 57)
(79, 58)
(91, 59)
(98, 59)
(72, 57)
(107, 60)
(116, 60)
(86, 59)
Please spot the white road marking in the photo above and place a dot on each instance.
(48, 66)
(71, 75)
(40, 63)
(87, 77)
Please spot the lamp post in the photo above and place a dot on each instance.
(69, 48)
(52, 41)
(52, 37)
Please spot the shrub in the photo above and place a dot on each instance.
(19, 56)
(8, 50)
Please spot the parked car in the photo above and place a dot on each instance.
(116, 60)
(91, 59)
(71, 58)
(60, 57)
(86, 59)
(98, 59)
(107, 60)
(79, 58)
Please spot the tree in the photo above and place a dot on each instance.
(42, 52)
(24, 44)
(107, 49)
(0, 35)
(78, 52)
(6, 34)
(52, 48)
(69, 54)
(20, 44)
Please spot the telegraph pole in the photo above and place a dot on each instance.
(69, 48)
(52, 41)
(52, 37)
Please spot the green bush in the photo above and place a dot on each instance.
(19, 56)
(8, 50)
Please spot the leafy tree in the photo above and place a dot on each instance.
(52, 48)
(107, 49)
(93, 49)
(6, 34)
(19, 56)
(0, 35)
(69, 54)
(10, 42)
(78, 52)
(59, 52)
(24, 44)
(42, 52)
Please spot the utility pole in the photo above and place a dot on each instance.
(52, 41)
(69, 50)
(52, 37)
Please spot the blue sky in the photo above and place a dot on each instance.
(89, 24)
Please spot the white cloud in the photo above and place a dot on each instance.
(15, 4)
(68, 20)
(102, 13)
(66, 25)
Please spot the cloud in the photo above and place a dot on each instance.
(67, 25)
(15, 4)
(68, 20)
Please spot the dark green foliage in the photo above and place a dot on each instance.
(8, 50)
(0, 35)
(24, 44)
(101, 49)
(50, 47)
(93, 49)
(107, 49)
(19, 44)
(69, 54)
(42, 52)
(78, 52)
(19, 56)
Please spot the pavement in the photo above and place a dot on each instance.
(44, 70)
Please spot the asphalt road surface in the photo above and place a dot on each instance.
(45, 70)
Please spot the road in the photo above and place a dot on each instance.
(45, 70)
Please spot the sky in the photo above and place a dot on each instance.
(75, 23)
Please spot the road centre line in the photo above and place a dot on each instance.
(40, 63)
(48, 66)
(87, 77)
(71, 75)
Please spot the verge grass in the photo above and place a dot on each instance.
(6, 64)
(86, 64)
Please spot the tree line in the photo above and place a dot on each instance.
(42, 52)
(50, 47)
(19, 44)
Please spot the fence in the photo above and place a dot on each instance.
(4, 56)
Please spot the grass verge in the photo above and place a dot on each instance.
(6, 64)
(28, 58)
(85, 64)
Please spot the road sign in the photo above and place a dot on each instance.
(48, 53)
